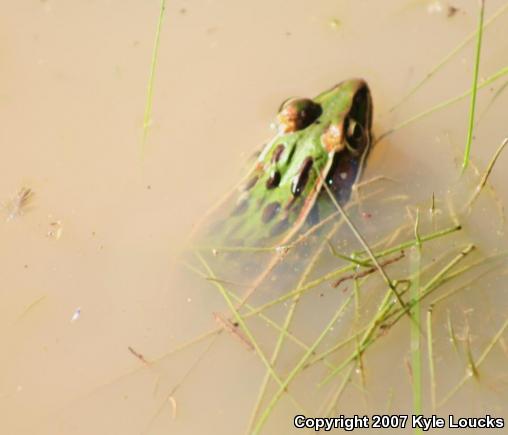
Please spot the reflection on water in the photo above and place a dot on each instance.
(96, 289)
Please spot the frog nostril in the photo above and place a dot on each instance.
(300, 180)
(270, 211)
(273, 180)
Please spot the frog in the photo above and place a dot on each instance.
(318, 141)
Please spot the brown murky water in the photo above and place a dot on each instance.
(93, 266)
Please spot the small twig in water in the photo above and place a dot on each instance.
(138, 355)
(19, 203)
(368, 271)
(232, 328)
(485, 176)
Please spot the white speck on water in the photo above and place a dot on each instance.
(76, 315)
(435, 8)
(189, 300)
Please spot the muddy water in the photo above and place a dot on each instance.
(91, 266)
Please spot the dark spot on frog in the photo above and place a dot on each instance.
(273, 180)
(277, 153)
(250, 184)
(241, 207)
(300, 180)
(280, 227)
(291, 154)
(342, 175)
(270, 211)
(290, 203)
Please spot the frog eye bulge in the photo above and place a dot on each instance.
(298, 113)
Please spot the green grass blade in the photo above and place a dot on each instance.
(450, 55)
(416, 351)
(502, 72)
(474, 88)
(266, 413)
(147, 117)
(430, 355)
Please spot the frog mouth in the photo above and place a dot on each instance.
(349, 162)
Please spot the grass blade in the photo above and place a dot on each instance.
(474, 88)
(151, 79)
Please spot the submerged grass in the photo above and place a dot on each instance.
(484, 83)
(298, 367)
(478, 362)
(245, 329)
(449, 56)
(416, 350)
(287, 322)
(402, 297)
(430, 356)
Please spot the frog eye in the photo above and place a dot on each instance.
(298, 113)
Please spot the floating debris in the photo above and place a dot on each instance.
(172, 400)
(56, 229)
(76, 315)
(138, 355)
(19, 203)
(233, 329)
(282, 250)
(335, 23)
(451, 11)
